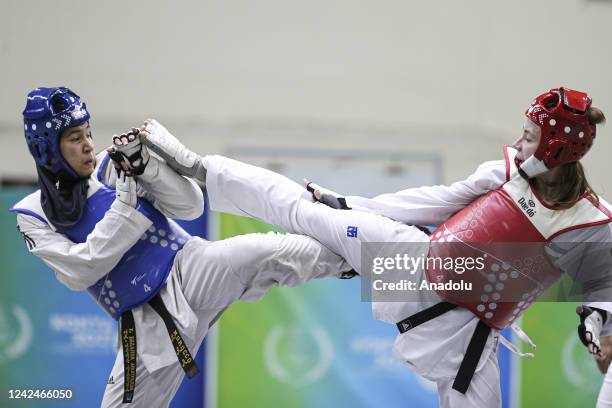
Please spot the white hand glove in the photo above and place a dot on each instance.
(130, 153)
(328, 197)
(591, 322)
(126, 189)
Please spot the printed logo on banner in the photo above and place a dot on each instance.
(381, 362)
(296, 356)
(82, 333)
(577, 370)
(15, 332)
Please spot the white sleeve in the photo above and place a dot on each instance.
(172, 194)
(434, 205)
(79, 266)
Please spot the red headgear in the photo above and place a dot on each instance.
(566, 133)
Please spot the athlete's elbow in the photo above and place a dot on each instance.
(186, 213)
(194, 208)
(198, 208)
(192, 212)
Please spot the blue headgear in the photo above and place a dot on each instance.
(47, 113)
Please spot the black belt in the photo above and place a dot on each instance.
(471, 358)
(424, 315)
(127, 330)
(474, 349)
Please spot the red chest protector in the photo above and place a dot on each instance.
(508, 230)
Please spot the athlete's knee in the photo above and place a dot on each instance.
(251, 253)
(303, 258)
(288, 259)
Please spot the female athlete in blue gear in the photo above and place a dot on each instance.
(109, 230)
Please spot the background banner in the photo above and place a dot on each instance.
(561, 363)
(316, 345)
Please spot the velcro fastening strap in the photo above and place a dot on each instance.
(423, 316)
(132, 155)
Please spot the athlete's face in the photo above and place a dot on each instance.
(529, 140)
(77, 148)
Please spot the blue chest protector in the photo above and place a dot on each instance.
(143, 269)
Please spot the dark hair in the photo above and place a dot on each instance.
(595, 116)
(569, 186)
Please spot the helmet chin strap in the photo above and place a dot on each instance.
(532, 167)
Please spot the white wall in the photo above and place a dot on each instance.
(453, 76)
